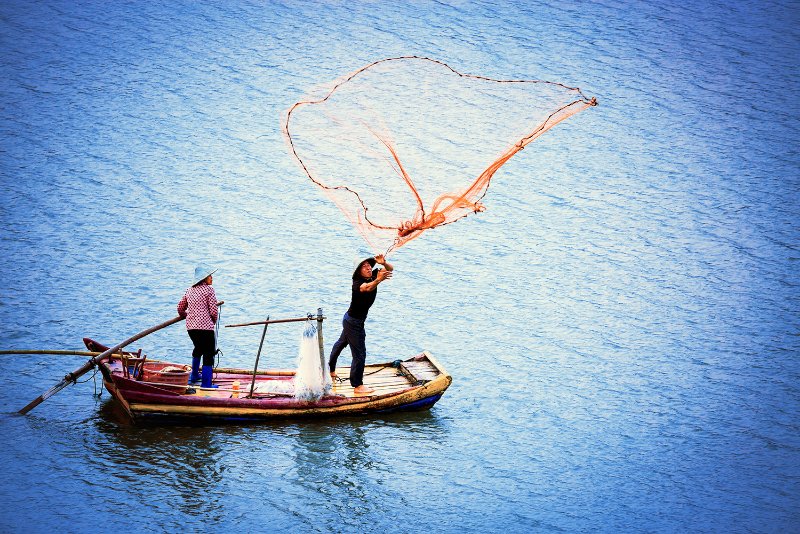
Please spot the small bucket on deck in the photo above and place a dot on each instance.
(166, 373)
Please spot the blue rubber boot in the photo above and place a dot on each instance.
(208, 374)
(195, 377)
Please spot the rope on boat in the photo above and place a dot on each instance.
(395, 364)
(96, 393)
(74, 380)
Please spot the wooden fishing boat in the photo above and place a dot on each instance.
(158, 391)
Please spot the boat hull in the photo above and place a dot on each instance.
(411, 385)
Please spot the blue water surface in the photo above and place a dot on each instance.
(622, 324)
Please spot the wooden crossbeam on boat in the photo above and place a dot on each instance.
(275, 321)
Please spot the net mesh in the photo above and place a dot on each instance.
(407, 144)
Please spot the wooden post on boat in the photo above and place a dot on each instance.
(258, 355)
(321, 344)
(71, 377)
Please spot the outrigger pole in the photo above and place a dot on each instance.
(73, 376)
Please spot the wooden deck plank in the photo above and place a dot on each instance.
(422, 370)
(382, 378)
(391, 385)
(420, 363)
(425, 375)
(421, 367)
(380, 382)
(350, 393)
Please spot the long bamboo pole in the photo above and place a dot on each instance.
(248, 372)
(71, 377)
(54, 352)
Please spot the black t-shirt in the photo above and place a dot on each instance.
(360, 302)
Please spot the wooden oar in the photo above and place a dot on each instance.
(70, 378)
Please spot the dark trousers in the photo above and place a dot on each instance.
(353, 334)
(205, 345)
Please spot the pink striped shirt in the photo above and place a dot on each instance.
(199, 307)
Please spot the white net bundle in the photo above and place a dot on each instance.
(312, 379)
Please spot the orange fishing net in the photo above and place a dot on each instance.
(406, 144)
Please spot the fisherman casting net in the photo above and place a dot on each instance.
(407, 144)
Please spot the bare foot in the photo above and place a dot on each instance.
(363, 390)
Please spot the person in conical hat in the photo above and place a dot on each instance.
(366, 278)
(199, 307)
